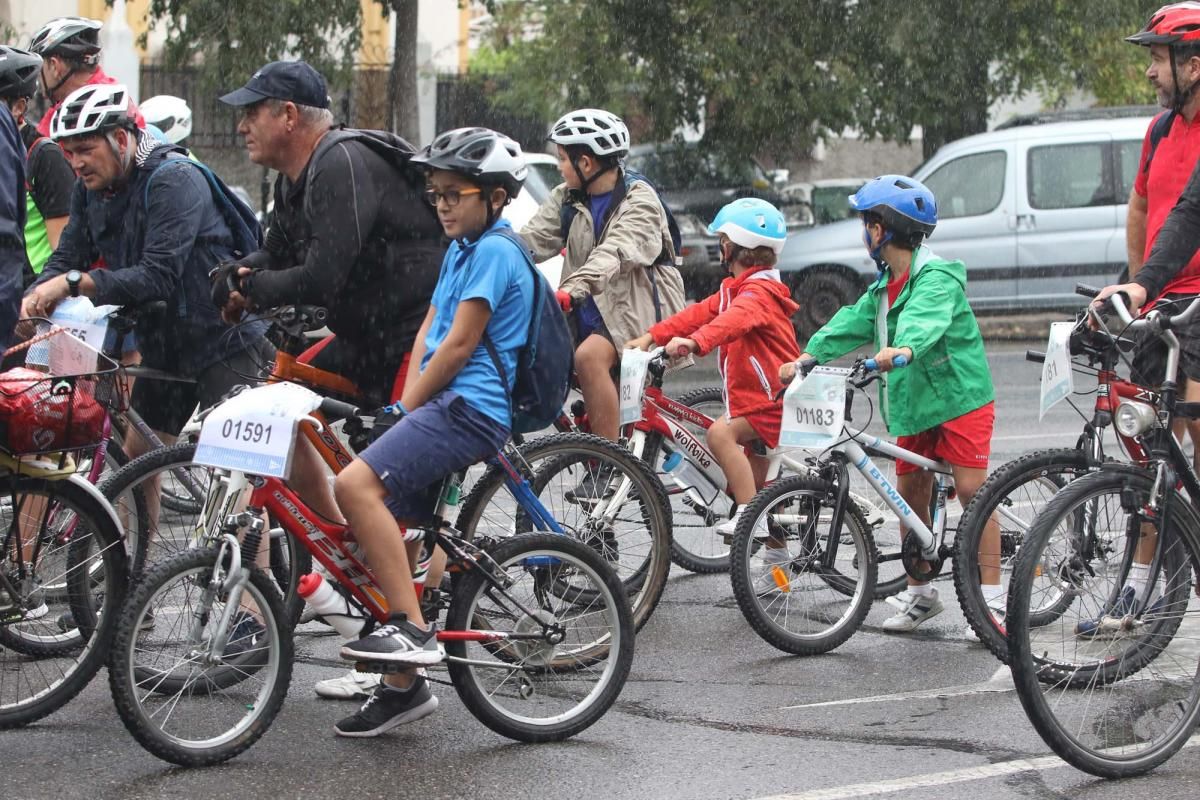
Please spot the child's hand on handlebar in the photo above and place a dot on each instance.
(679, 347)
(788, 369)
(883, 359)
(643, 342)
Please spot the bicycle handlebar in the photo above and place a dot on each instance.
(334, 410)
(899, 362)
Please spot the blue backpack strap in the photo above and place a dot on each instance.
(535, 318)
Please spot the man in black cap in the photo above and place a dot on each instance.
(348, 232)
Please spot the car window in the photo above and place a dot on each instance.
(689, 168)
(541, 180)
(1129, 153)
(829, 202)
(969, 186)
(1070, 176)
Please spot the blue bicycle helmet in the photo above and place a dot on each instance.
(904, 204)
(750, 223)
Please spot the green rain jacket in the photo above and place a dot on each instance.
(949, 374)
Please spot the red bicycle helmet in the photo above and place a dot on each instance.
(1172, 24)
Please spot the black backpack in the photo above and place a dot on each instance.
(569, 212)
(545, 363)
(1158, 131)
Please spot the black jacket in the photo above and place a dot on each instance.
(156, 245)
(364, 244)
(12, 223)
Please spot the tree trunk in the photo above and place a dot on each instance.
(403, 106)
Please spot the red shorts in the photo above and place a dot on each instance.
(964, 441)
(766, 424)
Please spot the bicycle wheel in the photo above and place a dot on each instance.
(42, 666)
(1112, 688)
(555, 666)
(179, 699)
(627, 521)
(1012, 495)
(802, 589)
(154, 538)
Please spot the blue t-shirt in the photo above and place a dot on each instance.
(598, 204)
(491, 269)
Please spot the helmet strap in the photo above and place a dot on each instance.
(50, 90)
(876, 250)
(1179, 97)
(584, 183)
(125, 159)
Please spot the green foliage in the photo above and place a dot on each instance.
(773, 77)
(230, 40)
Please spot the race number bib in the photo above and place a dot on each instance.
(814, 409)
(634, 364)
(255, 431)
(1057, 380)
(83, 320)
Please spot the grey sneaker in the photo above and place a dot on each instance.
(398, 641)
(387, 708)
(918, 609)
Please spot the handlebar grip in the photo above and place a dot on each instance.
(897, 363)
(1086, 291)
(1036, 356)
(336, 409)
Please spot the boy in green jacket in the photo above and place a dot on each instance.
(941, 406)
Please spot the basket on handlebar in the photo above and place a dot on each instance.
(48, 400)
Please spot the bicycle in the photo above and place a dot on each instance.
(666, 425)
(535, 609)
(1075, 670)
(58, 531)
(803, 562)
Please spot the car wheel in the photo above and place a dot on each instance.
(820, 294)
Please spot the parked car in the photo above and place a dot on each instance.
(1031, 208)
(824, 200)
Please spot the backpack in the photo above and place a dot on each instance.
(545, 363)
(242, 222)
(1158, 131)
(569, 212)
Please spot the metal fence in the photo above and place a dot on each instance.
(463, 101)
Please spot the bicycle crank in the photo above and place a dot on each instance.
(912, 558)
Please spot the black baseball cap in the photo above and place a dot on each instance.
(294, 81)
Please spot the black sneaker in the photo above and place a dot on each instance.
(596, 485)
(398, 641)
(388, 707)
(244, 636)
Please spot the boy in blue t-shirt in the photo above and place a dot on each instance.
(455, 407)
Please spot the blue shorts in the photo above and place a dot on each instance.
(435, 440)
(588, 321)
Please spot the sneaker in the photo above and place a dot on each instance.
(1115, 620)
(397, 641)
(727, 528)
(997, 619)
(596, 485)
(918, 609)
(354, 685)
(243, 636)
(773, 575)
(37, 612)
(901, 600)
(387, 708)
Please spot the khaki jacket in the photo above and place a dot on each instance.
(617, 271)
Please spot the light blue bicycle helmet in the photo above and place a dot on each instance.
(750, 223)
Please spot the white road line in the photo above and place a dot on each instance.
(1001, 681)
(982, 772)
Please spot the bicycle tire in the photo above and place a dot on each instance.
(1167, 705)
(85, 646)
(1010, 487)
(487, 512)
(527, 555)
(133, 683)
(832, 627)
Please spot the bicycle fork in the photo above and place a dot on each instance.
(228, 578)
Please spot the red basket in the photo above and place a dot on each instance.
(41, 412)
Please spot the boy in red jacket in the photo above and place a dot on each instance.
(748, 322)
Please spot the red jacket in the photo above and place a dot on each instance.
(749, 322)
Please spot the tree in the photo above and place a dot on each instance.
(228, 41)
(403, 109)
(773, 77)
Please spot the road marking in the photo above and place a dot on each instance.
(1001, 681)
(982, 772)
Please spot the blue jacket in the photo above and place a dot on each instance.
(12, 223)
(157, 245)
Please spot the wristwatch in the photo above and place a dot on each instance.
(74, 277)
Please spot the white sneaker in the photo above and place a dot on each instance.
(728, 527)
(354, 685)
(772, 557)
(918, 609)
(997, 612)
(899, 601)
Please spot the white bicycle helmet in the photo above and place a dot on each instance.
(75, 37)
(602, 132)
(170, 115)
(483, 154)
(93, 109)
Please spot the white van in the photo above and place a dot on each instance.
(1032, 209)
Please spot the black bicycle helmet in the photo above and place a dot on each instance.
(19, 70)
(76, 38)
(484, 155)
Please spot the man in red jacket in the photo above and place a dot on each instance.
(748, 321)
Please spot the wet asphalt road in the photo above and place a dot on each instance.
(710, 711)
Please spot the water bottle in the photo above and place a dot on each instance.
(700, 486)
(333, 607)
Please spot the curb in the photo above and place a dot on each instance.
(1018, 327)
